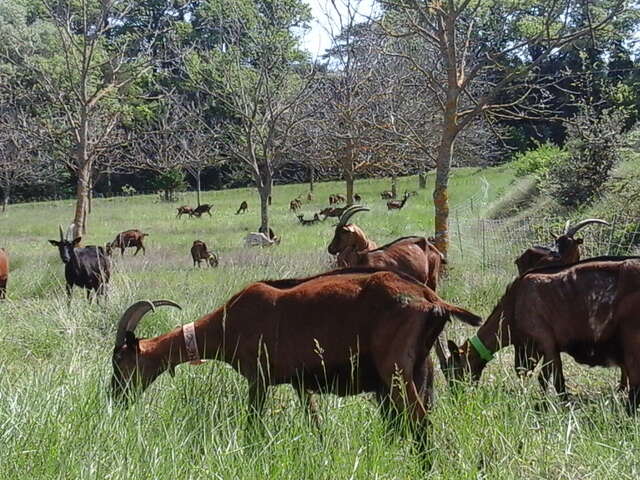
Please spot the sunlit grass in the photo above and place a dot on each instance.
(56, 421)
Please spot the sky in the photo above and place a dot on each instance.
(317, 40)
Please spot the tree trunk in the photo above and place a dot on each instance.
(394, 188)
(198, 184)
(82, 199)
(109, 187)
(89, 198)
(422, 180)
(265, 193)
(5, 198)
(440, 192)
(349, 181)
(311, 178)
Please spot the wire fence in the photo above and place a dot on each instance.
(494, 244)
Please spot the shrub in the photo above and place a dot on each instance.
(536, 162)
(593, 145)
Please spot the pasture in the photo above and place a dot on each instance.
(56, 420)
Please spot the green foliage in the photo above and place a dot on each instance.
(593, 145)
(170, 181)
(537, 161)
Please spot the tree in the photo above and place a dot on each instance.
(488, 56)
(20, 159)
(77, 60)
(257, 77)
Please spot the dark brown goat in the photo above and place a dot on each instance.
(200, 253)
(332, 211)
(343, 332)
(243, 207)
(4, 272)
(128, 239)
(387, 195)
(567, 249)
(202, 209)
(87, 267)
(184, 209)
(295, 205)
(357, 197)
(398, 204)
(313, 221)
(588, 310)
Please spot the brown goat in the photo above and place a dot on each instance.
(4, 273)
(588, 310)
(184, 209)
(310, 197)
(387, 195)
(202, 209)
(348, 239)
(567, 249)
(200, 253)
(345, 332)
(128, 239)
(357, 197)
(295, 205)
(243, 207)
(398, 204)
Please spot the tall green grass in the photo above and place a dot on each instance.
(57, 422)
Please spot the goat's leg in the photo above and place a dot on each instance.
(69, 289)
(552, 371)
(624, 379)
(137, 250)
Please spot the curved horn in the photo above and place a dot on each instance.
(132, 316)
(572, 231)
(61, 234)
(350, 212)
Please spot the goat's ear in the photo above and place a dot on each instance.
(76, 241)
(55, 243)
(579, 241)
(454, 349)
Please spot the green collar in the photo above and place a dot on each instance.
(484, 352)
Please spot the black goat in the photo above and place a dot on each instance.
(88, 267)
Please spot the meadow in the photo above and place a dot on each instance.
(57, 420)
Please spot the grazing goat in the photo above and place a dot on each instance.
(333, 211)
(295, 205)
(200, 253)
(310, 197)
(184, 209)
(387, 195)
(349, 238)
(567, 249)
(202, 209)
(128, 239)
(357, 198)
(4, 273)
(344, 332)
(336, 198)
(87, 267)
(243, 207)
(314, 220)
(588, 310)
(398, 204)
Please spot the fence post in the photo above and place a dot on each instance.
(613, 229)
(459, 236)
(484, 252)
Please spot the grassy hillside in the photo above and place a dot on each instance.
(56, 420)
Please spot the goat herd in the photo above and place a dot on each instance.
(369, 325)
